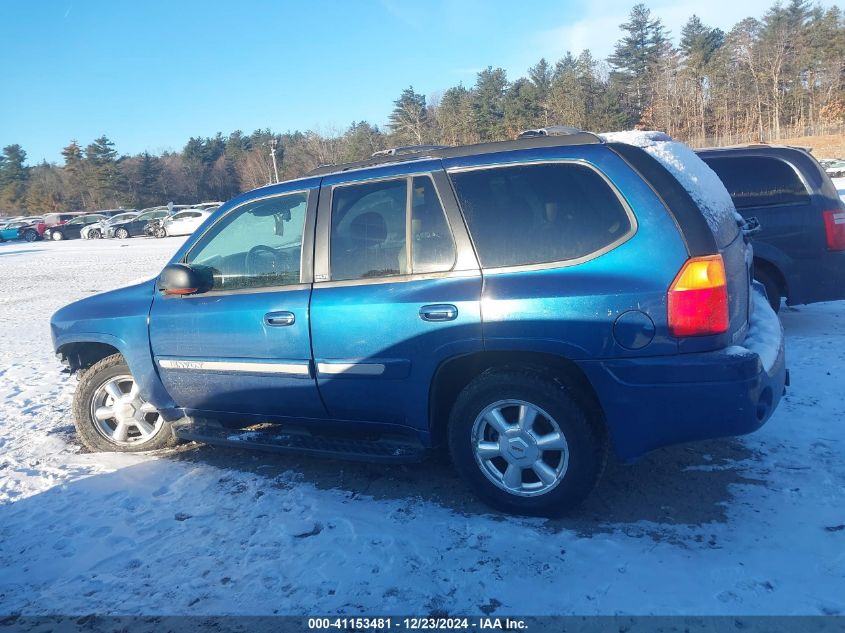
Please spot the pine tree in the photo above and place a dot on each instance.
(636, 55)
(361, 140)
(149, 181)
(699, 42)
(488, 105)
(409, 119)
(73, 175)
(541, 76)
(522, 107)
(13, 177)
(454, 117)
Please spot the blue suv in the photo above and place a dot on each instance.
(529, 304)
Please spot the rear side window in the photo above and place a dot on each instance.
(432, 249)
(759, 181)
(535, 214)
(388, 228)
(369, 230)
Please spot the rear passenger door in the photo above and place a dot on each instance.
(396, 292)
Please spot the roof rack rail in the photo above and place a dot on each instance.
(552, 130)
(406, 149)
(424, 152)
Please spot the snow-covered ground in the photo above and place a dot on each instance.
(745, 526)
(839, 183)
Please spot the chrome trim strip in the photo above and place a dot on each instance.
(295, 369)
(358, 369)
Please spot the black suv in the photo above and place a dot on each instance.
(799, 252)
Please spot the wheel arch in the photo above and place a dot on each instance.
(81, 355)
(454, 374)
(776, 273)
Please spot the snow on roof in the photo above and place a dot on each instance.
(697, 178)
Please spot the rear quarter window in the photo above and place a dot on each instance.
(542, 213)
(759, 181)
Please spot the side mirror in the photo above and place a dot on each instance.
(181, 279)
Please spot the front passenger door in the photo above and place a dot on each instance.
(243, 349)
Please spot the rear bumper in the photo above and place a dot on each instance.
(658, 401)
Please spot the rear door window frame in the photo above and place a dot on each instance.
(563, 263)
(465, 260)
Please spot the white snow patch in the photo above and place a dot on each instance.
(748, 526)
(697, 178)
(764, 332)
(839, 183)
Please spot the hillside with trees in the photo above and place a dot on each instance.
(770, 78)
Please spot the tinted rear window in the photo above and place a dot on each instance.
(534, 214)
(759, 181)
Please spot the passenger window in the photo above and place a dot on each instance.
(432, 247)
(758, 181)
(256, 246)
(368, 230)
(534, 214)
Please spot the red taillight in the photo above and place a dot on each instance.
(698, 298)
(834, 228)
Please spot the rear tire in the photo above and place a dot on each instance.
(772, 287)
(110, 416)
(509, 420)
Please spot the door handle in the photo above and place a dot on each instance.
(279, 318)
(439, 312)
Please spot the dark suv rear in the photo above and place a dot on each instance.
(799, 253)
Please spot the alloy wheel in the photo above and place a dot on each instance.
(520, 448)
(121, 416)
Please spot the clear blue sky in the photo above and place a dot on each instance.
(152, 73)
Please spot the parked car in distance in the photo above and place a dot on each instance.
(207, 206)
(181, 223)
(35, 229)
(799, 252)
(134, 226)
(834, 167)
(98, 230)
(9, 230)
(341, 314)
(72, 230)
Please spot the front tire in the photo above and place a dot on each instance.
(31, 235)
(525, 444)
(110, 415)
(121, 234)
(160, 232)
(57, 236)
